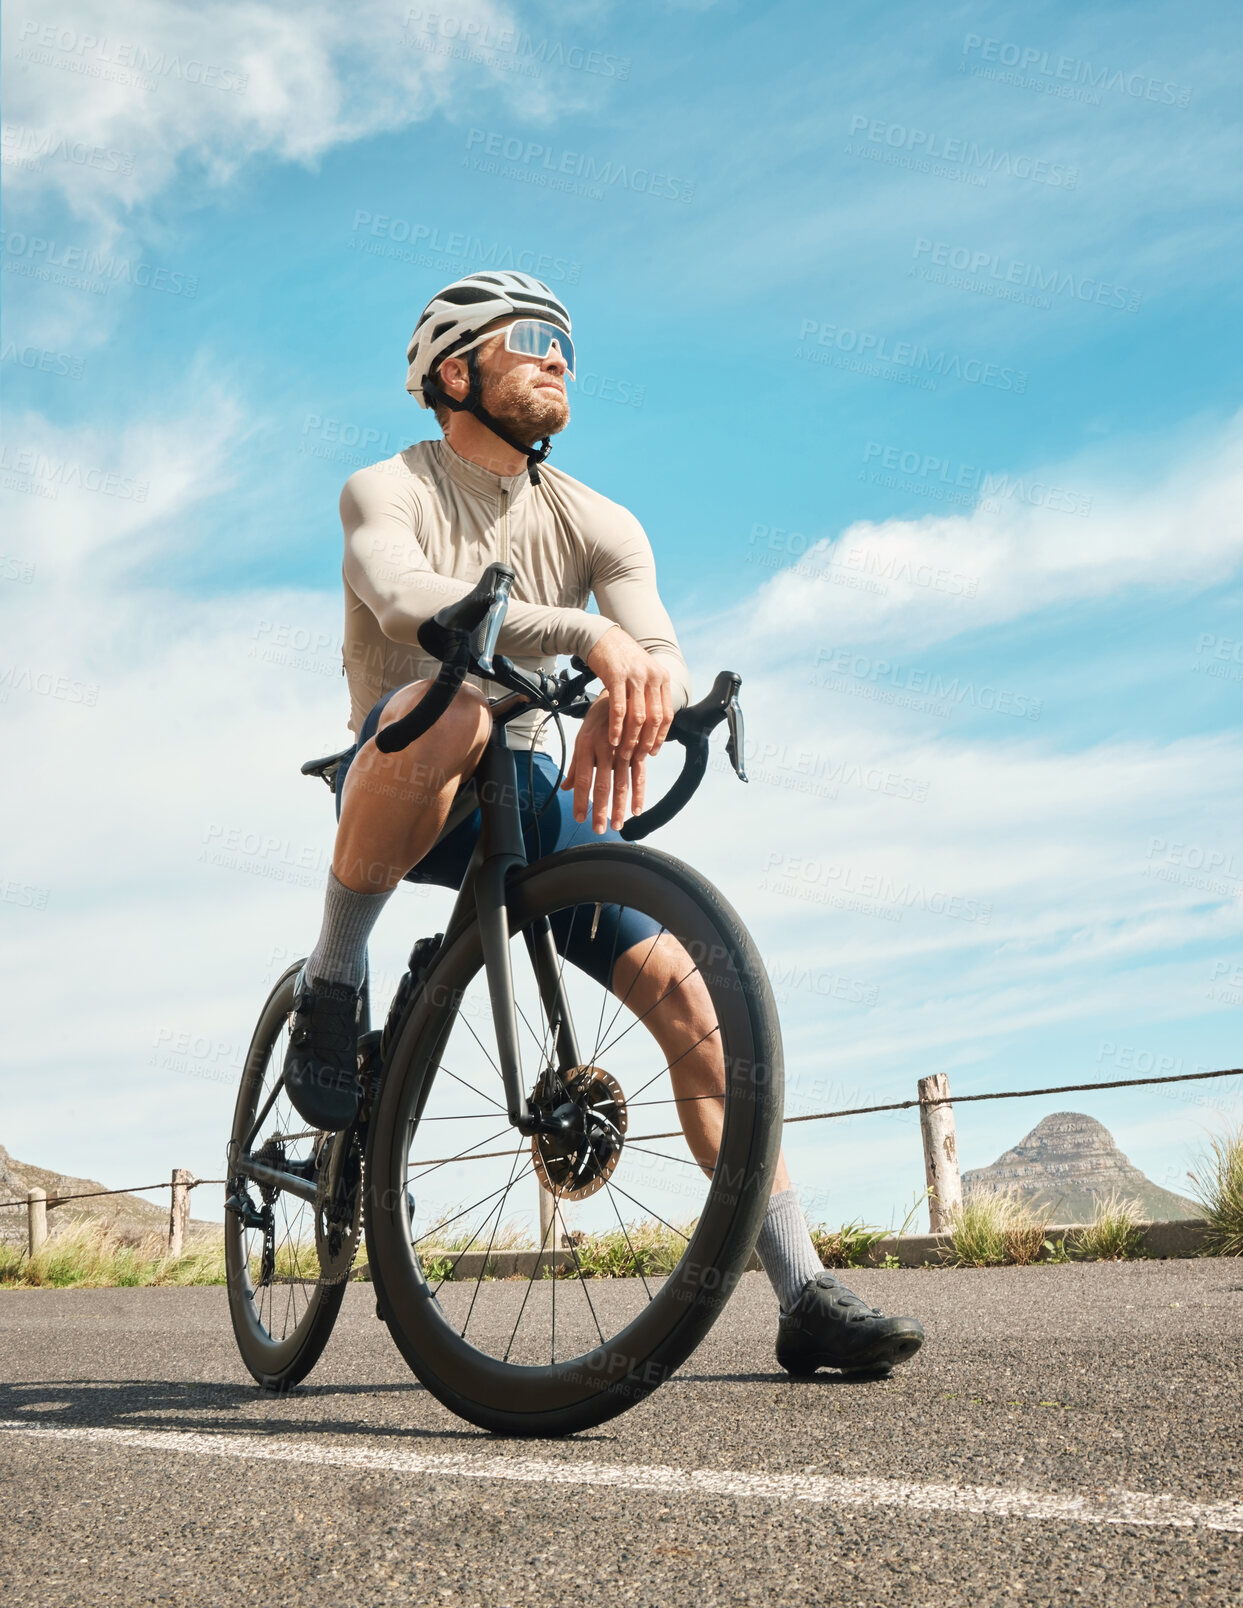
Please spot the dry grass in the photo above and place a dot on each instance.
(1217, 1184)
(89, 1255)
(1114, 1233)
(996, 1231)
(640, 1249)
(510, 1236)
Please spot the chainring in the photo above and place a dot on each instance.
(338, 1204)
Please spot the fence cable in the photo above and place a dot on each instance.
(814, 1116)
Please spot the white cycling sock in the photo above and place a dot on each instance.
(341, 952)
(785, 1248)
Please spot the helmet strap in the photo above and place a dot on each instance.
(435, 393)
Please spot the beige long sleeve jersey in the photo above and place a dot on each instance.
(421, 527)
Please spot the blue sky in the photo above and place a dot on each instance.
(911, 335)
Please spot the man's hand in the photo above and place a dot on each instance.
(626, 723)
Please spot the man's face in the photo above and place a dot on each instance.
(527, 394)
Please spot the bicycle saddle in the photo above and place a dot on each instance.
(326, 768)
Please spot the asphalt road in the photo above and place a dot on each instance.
(1069, 1434)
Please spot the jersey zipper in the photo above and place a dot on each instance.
(505, 527)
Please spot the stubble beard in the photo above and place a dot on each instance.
(525, 412)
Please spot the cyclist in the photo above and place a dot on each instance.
(490, 355)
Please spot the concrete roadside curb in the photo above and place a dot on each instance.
(1169, 1239)
(1184, 1237)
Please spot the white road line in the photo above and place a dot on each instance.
(1099, 1507)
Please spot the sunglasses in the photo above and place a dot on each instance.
(530, 337)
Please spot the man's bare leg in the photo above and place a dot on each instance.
(392, 810)
(395, 805)
(661, 983)
(822, 1324)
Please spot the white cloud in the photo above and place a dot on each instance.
(173, 87)
(925, 580)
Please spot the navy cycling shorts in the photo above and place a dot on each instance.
(444, 865)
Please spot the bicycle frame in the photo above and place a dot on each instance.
(499, 850)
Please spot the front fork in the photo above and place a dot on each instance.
(500, 851)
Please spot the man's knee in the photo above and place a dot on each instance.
(463, 725)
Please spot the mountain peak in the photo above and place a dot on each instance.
(1065, 1165)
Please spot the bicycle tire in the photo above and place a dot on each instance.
(281, 1361)
(589, 1388)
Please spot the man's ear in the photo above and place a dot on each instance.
(453, 377)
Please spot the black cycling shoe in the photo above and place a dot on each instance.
(321, 1064)
(831, 1327)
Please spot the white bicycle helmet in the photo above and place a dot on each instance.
(456, 314)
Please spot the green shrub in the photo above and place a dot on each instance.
(1217, 1184)
(847, 1246)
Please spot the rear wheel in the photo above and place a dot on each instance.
(455, 1193)
(287, 1259)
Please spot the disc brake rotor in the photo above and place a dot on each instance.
(590, 1109)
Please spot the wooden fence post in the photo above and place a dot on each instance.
(179, 1212)
(547, 1228)
(36, 1219)
(940, 1153)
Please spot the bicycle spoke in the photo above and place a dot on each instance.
(605, 992)
(656, 1215)
(578, 1266)
(483, 1269)
(673, 1099)
(715, 1028)
(626, 1235)
(482, 1046)
(648, 1011)
(496, 1212)
(472, 1089)
(462, 1155)
(682, 1161)
(457, 1215)
(541, 1044)
(539, 1257)
(492, 1238)
(465, 1116)
(651, 950)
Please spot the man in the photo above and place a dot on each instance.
(491, 354)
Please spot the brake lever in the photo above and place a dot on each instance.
(734, 747)
(490, 628)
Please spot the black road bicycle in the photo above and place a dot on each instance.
(501, 1079)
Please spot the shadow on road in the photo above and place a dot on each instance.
(155, 1404)
(778, 1376)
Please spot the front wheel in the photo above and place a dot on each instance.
(668, 1089)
